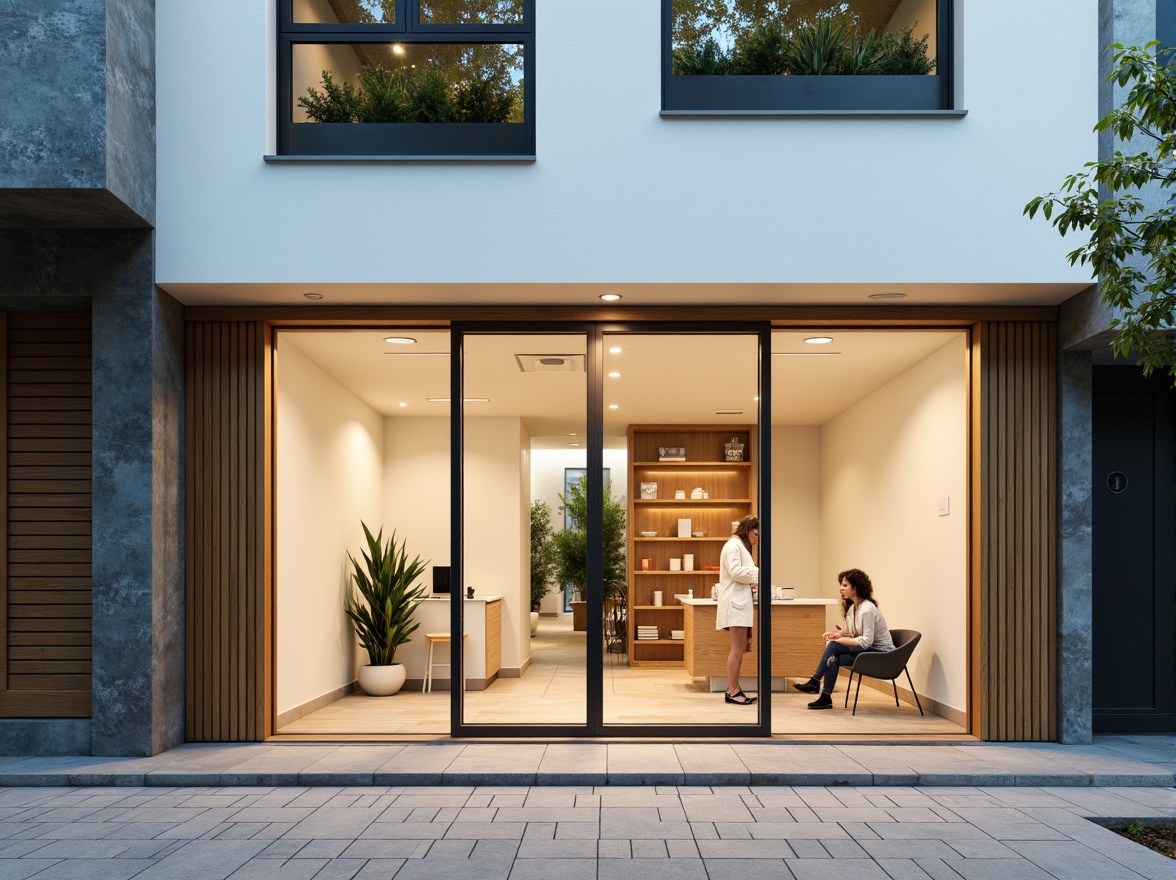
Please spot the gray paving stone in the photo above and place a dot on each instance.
(905, 869)
(769, 764)
(928, 831)
(649, 849)
(1072, 860)
(19, 869)
(495, 849)
(550, 849)
(203, 860)
(712, 764)
(859, 831)
(577, 831)
(998, 869)
(630, 869)
(621, 829)
(545, 869)
(270, 869)
(386, 849)
(682, 849)
(487, 830)
(644, 764)
(441, 869)
(322, 849)
(809, 849)
(418, 764)
(341, 869)
(383, 869)
(815, 869)
(614, 849)
(748, 869)
(844, 849)
(727, 831)
(451, 849)
(83, 849)
(88, 869)
(908, 848)
(797, 831)
(852, 814)
(565, 764)
(498, 764)
(547, 814)
(745, 849)
(715, 808)
(981, 849)
(328, 823)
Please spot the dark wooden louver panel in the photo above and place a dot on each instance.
(46, 558)
(1014, 596)
(228, 661)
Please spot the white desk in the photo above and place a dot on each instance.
(483, 645)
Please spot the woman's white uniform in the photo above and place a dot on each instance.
(737, 572)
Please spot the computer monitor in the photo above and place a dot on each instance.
(440, 580)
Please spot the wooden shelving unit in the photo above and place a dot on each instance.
(730, 486)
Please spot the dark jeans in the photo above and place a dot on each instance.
(834, 657)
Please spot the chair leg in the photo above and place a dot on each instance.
(428, 669)
(855, 694)
(894, 684)
(913, 691)
(848, 686)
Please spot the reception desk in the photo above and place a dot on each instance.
(483, 644)
(797, 625)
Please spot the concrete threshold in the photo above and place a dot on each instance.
(1127, 761)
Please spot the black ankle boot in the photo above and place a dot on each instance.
(824, 701)
(812, 686)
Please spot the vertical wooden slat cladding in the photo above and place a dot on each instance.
(227, 568)
(1014, 640)
(45, 479)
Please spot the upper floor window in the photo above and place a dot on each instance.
(806, 56)
(406, 78)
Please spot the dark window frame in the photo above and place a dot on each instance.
(404, 140)
(931, 95)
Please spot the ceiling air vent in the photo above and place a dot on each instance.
(550, 363)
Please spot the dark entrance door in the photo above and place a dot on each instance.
(1134, 535)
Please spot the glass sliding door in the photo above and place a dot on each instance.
(641, 448)
(524, 451)
(681, 410)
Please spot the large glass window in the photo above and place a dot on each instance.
(406, 78)
(762, 56)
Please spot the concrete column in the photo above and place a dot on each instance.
(1075, 511)
(138, 467)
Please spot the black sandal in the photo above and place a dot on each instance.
(739, 698)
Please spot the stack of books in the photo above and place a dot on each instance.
(679, 634)
(646, 632)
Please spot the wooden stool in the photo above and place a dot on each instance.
(433, 639)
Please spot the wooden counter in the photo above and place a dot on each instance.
(483, 644)
(797, 626)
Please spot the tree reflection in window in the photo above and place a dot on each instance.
(471, 11)
(797, 37)
(427, 83)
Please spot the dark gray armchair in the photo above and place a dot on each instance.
(888, 666)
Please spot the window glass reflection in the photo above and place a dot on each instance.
(345, 11)
(407, 82)
(471, 12)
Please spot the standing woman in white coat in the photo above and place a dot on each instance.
(738, 575)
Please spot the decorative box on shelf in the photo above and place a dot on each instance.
(649, 491)
(671, 453)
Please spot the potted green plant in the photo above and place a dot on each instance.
(382, 613)
(571, 555)
(542, 558)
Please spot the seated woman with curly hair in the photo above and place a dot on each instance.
(865, 631)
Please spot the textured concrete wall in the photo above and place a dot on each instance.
(53, 105)
(1075, 513)
(44, 736)
(77, 112)
(138, 538)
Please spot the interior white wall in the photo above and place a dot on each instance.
(497, 517)
(796, 509)
(224, 215)
(329, 449)
(885, 463)
(416, 487)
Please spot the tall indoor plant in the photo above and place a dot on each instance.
(542, 558)
(571, 554)
(382, 612)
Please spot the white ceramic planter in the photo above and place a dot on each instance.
(534, 622)
(382, 681)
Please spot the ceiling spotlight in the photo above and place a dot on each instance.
(610, 297)
(400, 340)
(573, 444)
(819, 340)
(756, 398)
(613, 406)
(403, 404)
(314, 296)
(616, 349)
(614, 375)
(887, 296)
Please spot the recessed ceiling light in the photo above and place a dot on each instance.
(613, 406)
(614, 375)
(403, 404)
(610, 297)
(894, 295)
(756, 399)
(573, 434)
(616, 349)
(573, 444)
(819, 340)
(315, 296)
(400, 340)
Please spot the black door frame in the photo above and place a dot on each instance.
(594, 673)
